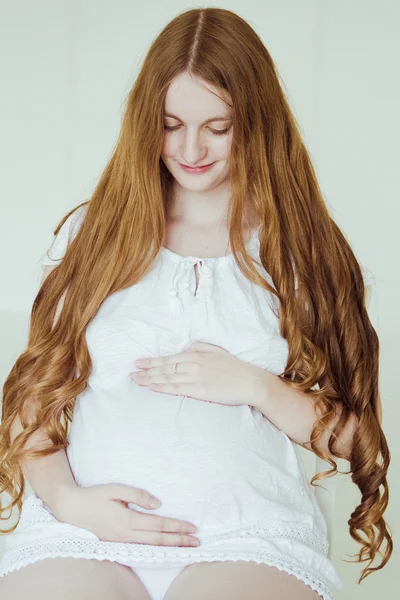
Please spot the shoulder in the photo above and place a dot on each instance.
(65, 231)
(71, 222)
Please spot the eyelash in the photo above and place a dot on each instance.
(214, 131)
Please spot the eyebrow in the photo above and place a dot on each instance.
(217, 118)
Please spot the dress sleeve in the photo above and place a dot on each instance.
(65, 235)
(369, 279)
(369, 282)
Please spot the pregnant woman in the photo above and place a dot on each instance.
(200, 317)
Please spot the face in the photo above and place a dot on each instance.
(199, 133)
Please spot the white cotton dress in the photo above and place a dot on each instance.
(227, 469)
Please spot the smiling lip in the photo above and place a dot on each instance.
(199, 169)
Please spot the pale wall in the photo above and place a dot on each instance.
(67, 68)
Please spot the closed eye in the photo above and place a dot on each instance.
(214, 131)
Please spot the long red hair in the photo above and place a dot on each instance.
(325, 320)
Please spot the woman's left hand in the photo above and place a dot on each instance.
(205, 372)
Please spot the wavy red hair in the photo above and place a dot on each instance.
(325, 320)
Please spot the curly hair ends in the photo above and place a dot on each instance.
(324, 318)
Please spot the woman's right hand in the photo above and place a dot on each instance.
(103, 510)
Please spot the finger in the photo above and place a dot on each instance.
(176, 389)
(160, 378)
(186, 367)
(163, 539)
(125, 493)
(159, 361)
(182, 367)
(149, 522)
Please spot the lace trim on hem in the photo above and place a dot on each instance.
(34, 512)
(299, 532)
(15, 559)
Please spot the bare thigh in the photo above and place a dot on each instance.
(232, 580)
(68, 578)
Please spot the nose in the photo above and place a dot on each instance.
(193, 150)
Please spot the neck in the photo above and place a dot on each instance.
(197, 209)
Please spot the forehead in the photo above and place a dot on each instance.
(194, 100)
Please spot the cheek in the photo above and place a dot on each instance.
(222, 148)
(169, 147)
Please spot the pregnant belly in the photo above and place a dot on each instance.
(207, 462)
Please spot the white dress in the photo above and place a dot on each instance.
(227, 469)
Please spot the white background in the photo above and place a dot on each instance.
(66, 69)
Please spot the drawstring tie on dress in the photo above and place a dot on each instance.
(183, 284)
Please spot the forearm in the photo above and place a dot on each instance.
(49, 476)
(293, 412)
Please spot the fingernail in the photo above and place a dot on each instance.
(155, 502)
